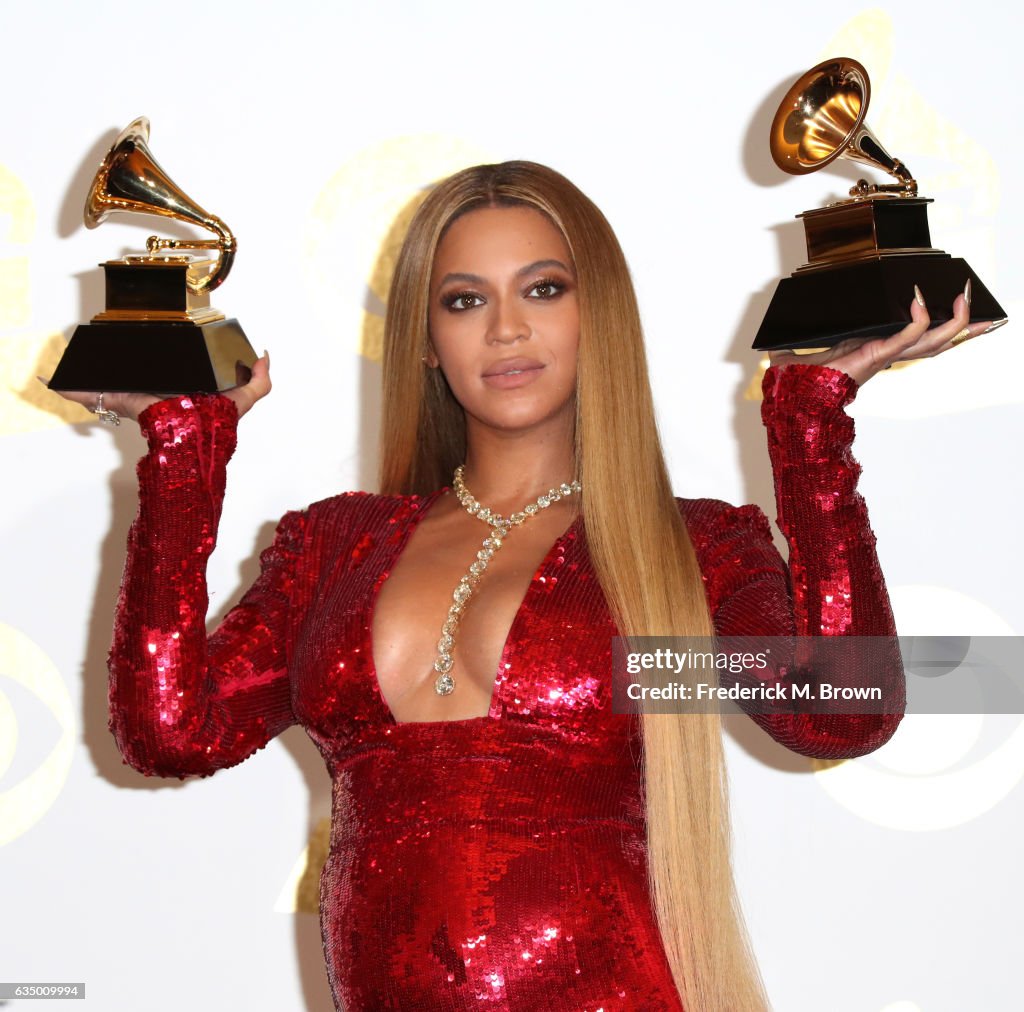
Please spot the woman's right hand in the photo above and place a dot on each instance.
(131, 405)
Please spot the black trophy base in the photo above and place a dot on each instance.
(155, 358)
(818, 309)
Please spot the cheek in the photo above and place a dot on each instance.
(451, 352)
(568, 343)
(442, 337)
(569, 328)
(453, 358)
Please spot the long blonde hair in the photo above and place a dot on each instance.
(641, 554)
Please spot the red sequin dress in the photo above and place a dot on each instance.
(495, 862)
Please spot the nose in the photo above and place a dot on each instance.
(508, 322)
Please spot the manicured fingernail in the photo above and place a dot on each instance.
(46, 382)
(967, 292)
(919, 296)
(996, 324)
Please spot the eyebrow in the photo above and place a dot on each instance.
(476, 279)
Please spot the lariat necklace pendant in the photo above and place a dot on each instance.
(500, 527)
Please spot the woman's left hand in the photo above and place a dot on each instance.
(862, 358)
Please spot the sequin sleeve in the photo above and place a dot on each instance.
(181, 703)
(832, 585)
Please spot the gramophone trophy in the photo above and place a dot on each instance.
(865, 253)
(158, 333)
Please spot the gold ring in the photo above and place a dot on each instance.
(964, 335)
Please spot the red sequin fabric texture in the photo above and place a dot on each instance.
(495, 862)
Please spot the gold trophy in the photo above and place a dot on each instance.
(158, 333)
(865, 253)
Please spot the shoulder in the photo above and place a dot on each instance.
(367, 505)
(735, 549)
(350, 523)
(713, 519)
(361, 513)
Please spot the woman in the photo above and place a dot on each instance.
(505, 838)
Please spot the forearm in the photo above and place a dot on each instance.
(836, 581)
(172, 713)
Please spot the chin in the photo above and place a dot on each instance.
(523, 416)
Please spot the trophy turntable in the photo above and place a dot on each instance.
(158, 333)
(866, 253)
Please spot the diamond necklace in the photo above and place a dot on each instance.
(500, 526)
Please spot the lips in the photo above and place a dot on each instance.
(512, 367)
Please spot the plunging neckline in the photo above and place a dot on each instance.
(506, 648)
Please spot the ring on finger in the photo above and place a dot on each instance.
(105, 414)
(964, 335)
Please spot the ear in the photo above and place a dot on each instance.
(430, 360)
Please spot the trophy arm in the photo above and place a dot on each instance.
(215, 278)
(865, 148)
(225, 243)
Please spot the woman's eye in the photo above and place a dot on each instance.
(461, 300)
(546, 289)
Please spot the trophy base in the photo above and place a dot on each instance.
(156, 358)
(818, 309)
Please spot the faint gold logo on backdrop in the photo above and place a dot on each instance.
(301, 891)
(15, 206)
(25, 404)
(26, 802)
(357, 225)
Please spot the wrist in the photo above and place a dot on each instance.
(807, 389)
(172, 413)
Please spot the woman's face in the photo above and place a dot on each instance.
(504, 318)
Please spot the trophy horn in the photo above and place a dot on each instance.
(130, 179)
(821, 119)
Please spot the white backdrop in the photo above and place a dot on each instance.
(887, 883)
